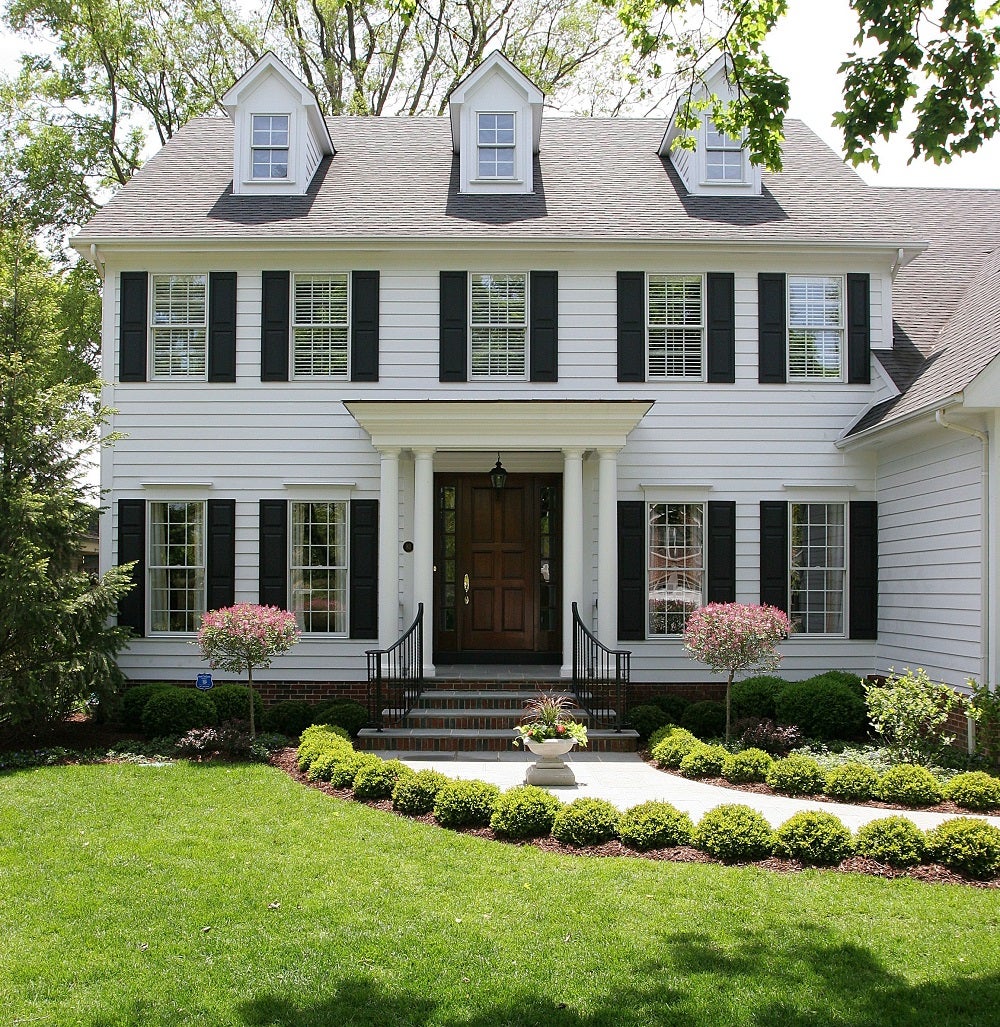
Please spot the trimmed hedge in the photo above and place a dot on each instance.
(852, 782)
(175, 711)
(895, 841)
(966, 844)
(747, 766)
(822, 708)
(755, 697)
(377, 780)
(232, 702)
(345, 713)
(317, 739)
(974, 790)
(134, 701)
(586, 822)
(465, 804)
(909, 785)
(654, 825)
(674, 747)
(415, 795)
(796, 775)
(705, 719)
(672, 705)
(734, 833)
(705, 761)
(646, 719)
(289, 717)
(814, 836)
(525, 812)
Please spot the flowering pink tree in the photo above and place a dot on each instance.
(735, 637)
(239, 638)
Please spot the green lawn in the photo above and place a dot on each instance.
(213, 894)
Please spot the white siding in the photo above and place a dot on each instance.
(930, 556)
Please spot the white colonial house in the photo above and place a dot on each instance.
(704, 383)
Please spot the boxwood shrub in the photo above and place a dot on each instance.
(705, 719)
(822, 709)
(316, 739)
(974, 790)
(895, 841)
(232, 702)
(345, 713)
(755, 697)
(669, 751)
(814, 836)
(646, 719)
(672, 705)
(134, 701)
(586, 822)
(290, 717)
(704, 761)
(654, 825)
(525, 812)
(841, 677)
(659, 734)
(796, 775)
(416, 794)
(966, 844)
(734, 833)
(909, 785)
(377, 780)
(852, 782)
(465, 804)
(174, 711)
(747, 766)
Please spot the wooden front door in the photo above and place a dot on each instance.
(496, 590)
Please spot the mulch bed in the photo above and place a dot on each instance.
(932, 873)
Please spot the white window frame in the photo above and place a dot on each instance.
(702, 569)
(344, 569)
(480, 146)
(295, 326)
(726, 145)
(826, 569)
(703, 354)
(841, 329)
(178, 326)
(503, 326)
(152, 568)
(254, 148)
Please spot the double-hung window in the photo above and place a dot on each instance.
(320, 326)
(815, 327)
(817, 567)
(499, 325)
(179, 327)
(675, 568)
(318, 565)
(676, 328)
(176, 565)
(269, 146)
(495, 139)
(723, 155)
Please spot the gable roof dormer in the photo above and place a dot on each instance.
(718, 165)
(279, 135)
(496, 127)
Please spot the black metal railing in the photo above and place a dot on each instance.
(396, 675)
(600, 676)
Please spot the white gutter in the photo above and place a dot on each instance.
(984, 439)
(884, 427)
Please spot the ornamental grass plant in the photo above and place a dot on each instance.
(547, 717)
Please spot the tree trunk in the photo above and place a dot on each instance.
(253, 732)
(729, 689)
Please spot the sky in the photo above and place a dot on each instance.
(808, 47)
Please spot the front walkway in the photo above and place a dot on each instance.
(625, 780)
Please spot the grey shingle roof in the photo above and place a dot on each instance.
(396, 178)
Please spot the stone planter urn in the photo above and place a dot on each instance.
(550, 768)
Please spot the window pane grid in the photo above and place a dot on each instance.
(269, 146)
(179, 325)
(499, 312)
(319, 566)
(495, 140)
(815, 326)
(818, 563)
(320, 325)
(675, 565)
(176, 566)
(723, 155)
(676, 326)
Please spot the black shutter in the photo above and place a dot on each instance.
(274, 326)
(863, 587)
(454, 327)
(222, 326)
(364, 326)
(631, 327)
(771, 328)
(220, 570)
(721, 318)
(631, 571)
(363, 561)
(133, 342)
(859, 320)
(774, 554)
(721, 552)
(132, 548)
(273, 553)
(543, 342)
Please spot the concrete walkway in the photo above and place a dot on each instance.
(625, 780)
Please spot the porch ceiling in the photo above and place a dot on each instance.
(539, 425)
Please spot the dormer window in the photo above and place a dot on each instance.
(723, 155)
(269, 147)
(496, 145)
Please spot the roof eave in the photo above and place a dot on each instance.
(870, 435)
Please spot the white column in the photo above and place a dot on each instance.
(388, 549)
(607, 548)
(572, 554)
(423, 547)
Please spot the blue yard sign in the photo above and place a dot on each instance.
(204, 682)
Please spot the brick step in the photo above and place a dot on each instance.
(533, 685)
(474, 717)
(487, 699)
(458, 740)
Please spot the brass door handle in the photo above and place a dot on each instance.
(465, 582)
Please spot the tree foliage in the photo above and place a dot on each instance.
(55, 649)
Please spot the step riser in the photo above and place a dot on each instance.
(445, 744)
(503, 685)
(473, 702)
(469, 720)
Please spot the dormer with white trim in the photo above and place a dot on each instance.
(718, 165)
(496, 127)
(279, 135)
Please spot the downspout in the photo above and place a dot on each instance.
(985, 599)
